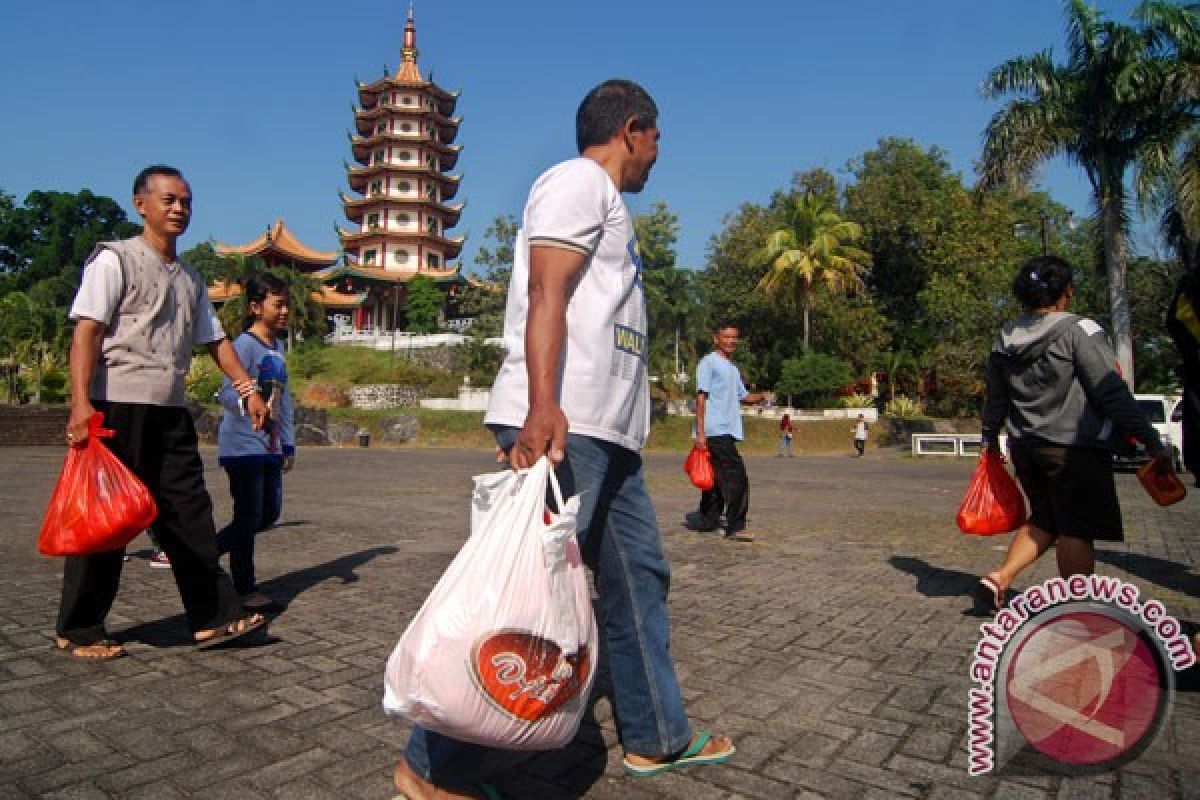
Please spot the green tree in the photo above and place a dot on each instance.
(422, 304)
(51, 235)
(815, 245)
(483, 297)
(1082, 109)
(813, 377)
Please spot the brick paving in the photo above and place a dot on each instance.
(835, 649)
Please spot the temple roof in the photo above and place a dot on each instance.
(448, 274)
(329, 297)
(279, 243)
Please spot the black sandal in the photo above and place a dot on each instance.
(232, 631)
(989, 597)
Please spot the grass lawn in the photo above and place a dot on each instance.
(671, 434)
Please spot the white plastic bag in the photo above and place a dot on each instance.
(503, 652)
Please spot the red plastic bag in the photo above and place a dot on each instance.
(98, 504)
(993, 503)
(699, 468)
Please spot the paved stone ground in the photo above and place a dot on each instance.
(835, 649)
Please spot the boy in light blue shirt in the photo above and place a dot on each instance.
(720, 394)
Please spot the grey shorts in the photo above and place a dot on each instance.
(1070, 490)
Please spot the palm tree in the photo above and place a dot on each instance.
(1169, 179)
(816, 245)
(671, 301)
(1079, 111)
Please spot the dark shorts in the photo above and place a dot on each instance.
(1070, 490)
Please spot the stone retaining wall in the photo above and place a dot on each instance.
(29, 426)
(385, 395)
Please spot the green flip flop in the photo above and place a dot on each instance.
(689, 757)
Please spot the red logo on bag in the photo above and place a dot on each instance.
(526, 675)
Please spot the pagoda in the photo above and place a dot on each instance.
(403, 148)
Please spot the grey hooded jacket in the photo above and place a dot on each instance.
(1052, 378)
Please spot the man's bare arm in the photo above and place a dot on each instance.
(701, 409)
(553, 273)
(85, 353)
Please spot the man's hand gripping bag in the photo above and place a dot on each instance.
(503, 652)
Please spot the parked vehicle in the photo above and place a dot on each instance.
(1165, 413)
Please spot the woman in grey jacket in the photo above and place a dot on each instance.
(1053, 382)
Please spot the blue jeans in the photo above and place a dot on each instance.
(256, 486)
(619, 539)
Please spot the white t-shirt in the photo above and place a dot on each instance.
(102, 288)
(603, 390)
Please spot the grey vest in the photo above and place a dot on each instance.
(147, 346)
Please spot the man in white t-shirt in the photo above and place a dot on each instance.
(574, 386)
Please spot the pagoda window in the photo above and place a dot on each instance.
(432, 225)
(432, 260)
(381, 127)
(377, 157)
(403, 219)
(373, 221)
(406, 100)
(369, 256)
(401, 256)
(405, 155)
(405, 187)
(376, 188)
(406, 127)
(431, 192)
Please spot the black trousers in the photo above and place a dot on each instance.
(731, 492)
(158, 444)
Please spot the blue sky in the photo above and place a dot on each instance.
(252, 98)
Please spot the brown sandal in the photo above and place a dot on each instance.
(102, 650)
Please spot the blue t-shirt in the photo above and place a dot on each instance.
(718, 377)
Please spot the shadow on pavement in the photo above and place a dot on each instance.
(172, 631)
(285, 588)
(1167, 574)
(935, 581)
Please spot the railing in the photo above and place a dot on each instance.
(381, 339)
(951, 444)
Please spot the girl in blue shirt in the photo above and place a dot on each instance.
(256, 460)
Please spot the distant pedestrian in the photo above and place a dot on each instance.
(785, 436)
(720, 394)
(1052, 382)
(255, 460)
(138, 314)
(860, 435)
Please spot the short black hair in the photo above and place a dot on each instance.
(258, 286)
(605, 109)
(142, 181)
(1041, 281)
(722, 324)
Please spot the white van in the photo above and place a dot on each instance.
(1165, 413)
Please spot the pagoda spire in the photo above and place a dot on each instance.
(408, 53)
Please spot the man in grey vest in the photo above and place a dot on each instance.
(138, 314)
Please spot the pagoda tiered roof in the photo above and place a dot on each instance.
(357, 206)
(360, 176)
(447, 274)
(278, 244)
(362, 146)
(453, 246)
(365, 118)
